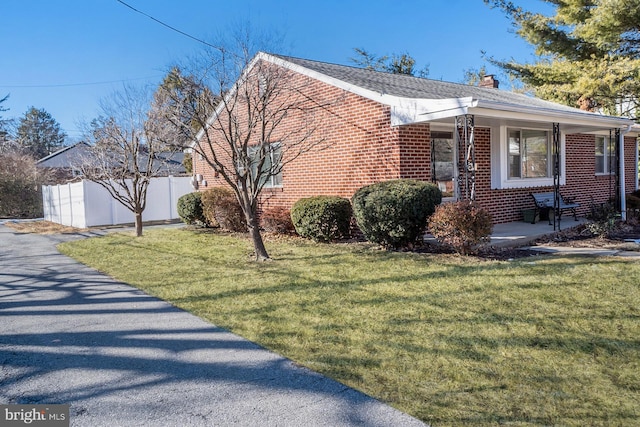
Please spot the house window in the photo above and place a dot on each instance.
(525, 158)
(271, 171)
(529, 154)
(605, 155)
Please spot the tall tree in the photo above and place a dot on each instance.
(589, 53)
(175, 97)
(368, 60)
(126, 141)
(473, 76)
(395, 64)
(39, 134)
(5, 134)
(245, 141)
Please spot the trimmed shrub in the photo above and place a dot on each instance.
(461, 225)
(221, 209)
(322, 218)
(190, 208)
(394, 213)
(277, 220)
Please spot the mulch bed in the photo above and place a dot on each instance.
(578, 237)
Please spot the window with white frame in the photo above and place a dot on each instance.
(605, 155)
(524, 157)
(271, 171)
(529, 154)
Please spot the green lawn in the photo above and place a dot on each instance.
(449, 340)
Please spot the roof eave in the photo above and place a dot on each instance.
(575, 118)
(411, 111)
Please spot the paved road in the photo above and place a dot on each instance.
(119, 357)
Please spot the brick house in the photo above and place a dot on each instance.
(494, 146)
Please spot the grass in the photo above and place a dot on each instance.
(449, 340)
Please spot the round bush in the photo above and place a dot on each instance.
(394, 213)
(190, 208)
(221, 209)
(461, 225)
(322, 218)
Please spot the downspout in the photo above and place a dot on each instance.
(623, 202)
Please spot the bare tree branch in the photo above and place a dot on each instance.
(260, 119)
(126, 144)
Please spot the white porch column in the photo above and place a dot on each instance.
(623, 202)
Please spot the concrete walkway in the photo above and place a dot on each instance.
(122, 358)
(519, 233)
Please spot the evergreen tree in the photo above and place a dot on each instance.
(39, 134)
(589, 53)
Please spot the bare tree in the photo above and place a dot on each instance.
(263, 118)
(126, 140)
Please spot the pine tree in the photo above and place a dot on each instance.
(39, 134)
(589, 53)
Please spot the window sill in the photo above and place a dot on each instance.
(527, 183)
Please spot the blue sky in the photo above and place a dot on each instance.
(65, 55)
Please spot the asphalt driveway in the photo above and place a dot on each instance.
(119, 357)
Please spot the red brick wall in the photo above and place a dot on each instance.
(415, 151)
(581, 180)
(630, 165)
(361, 148)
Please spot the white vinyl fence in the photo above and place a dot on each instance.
(86, 204)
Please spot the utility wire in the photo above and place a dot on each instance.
(166, 25)
(74, 84)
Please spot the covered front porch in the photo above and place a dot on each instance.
(504, 149)
(514, 234)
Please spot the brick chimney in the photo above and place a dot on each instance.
(489, 81)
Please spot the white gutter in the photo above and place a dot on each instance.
(577, 116)
(623, 201)
(405, 111)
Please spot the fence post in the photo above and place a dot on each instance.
(59, 203)
(70, 202)
(171, 195)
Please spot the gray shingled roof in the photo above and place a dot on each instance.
(167, 163)
(64, 157)
(415, 87)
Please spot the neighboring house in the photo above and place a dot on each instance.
(63, 164)
(494, 146)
